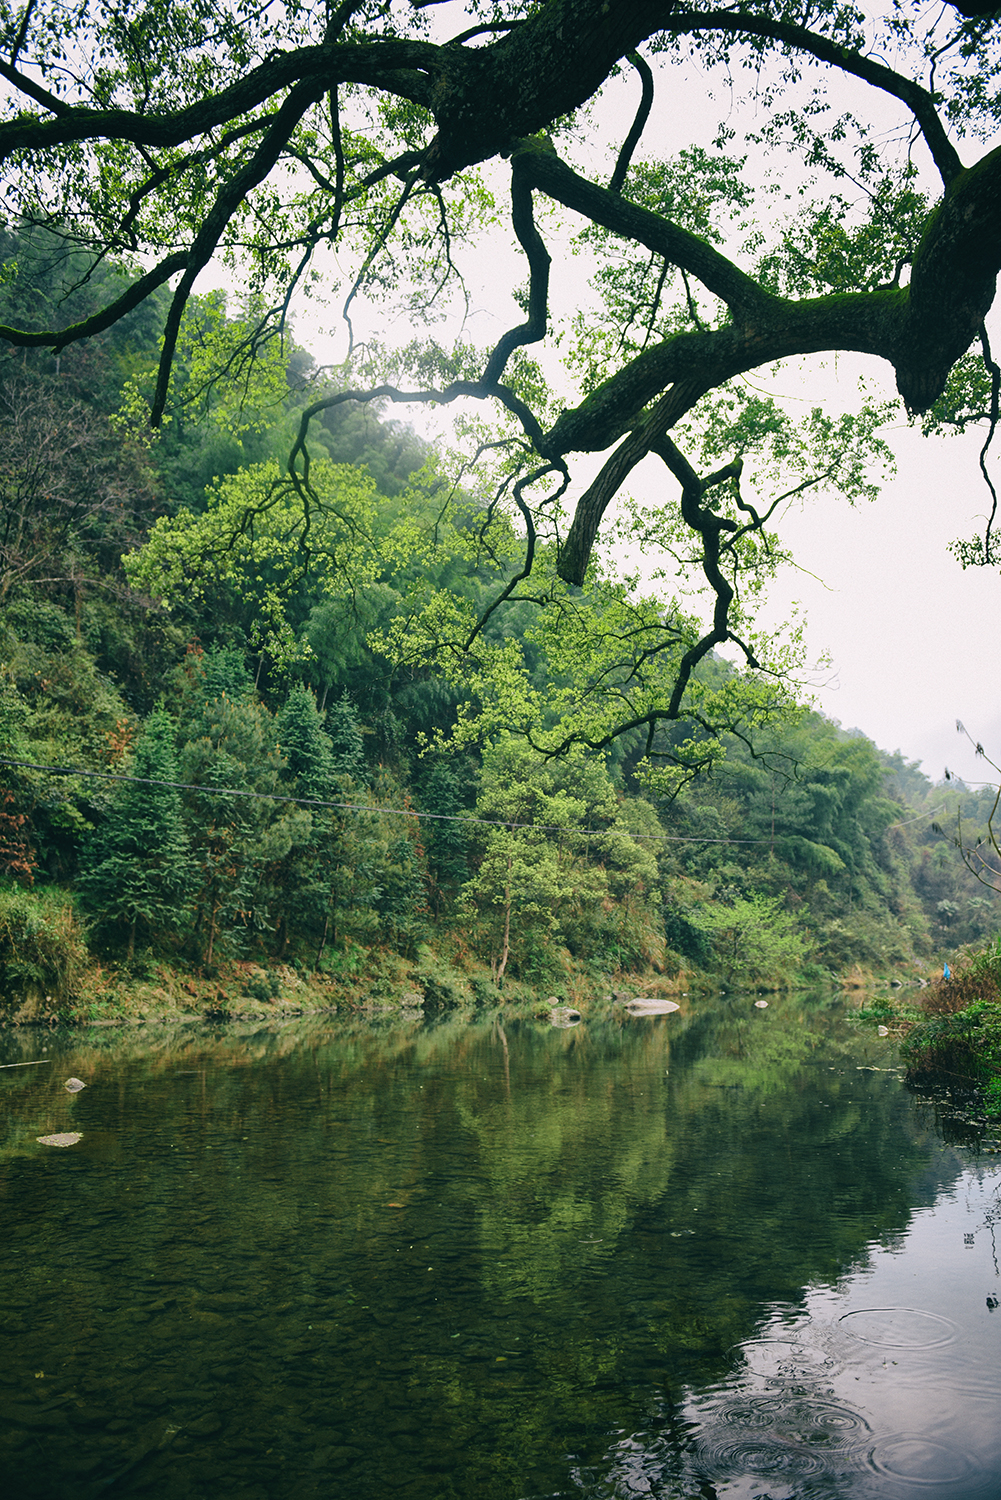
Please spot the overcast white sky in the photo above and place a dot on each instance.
(911, 637)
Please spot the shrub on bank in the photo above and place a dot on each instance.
(955, 1036)
(961, 1033)
(42, 950)
(975, 978)
(966, 1044)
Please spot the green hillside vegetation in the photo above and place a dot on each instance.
(275, 753)
(951, 1039)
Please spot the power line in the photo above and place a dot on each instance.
(398, 812)
(361, 807)
(908, 821)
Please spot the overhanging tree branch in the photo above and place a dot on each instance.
(401, 66)
(486, 100)
(227, 201)
(130, 299)
(530, 540)
(618, 177)
(604, 206)
(531, 241)
(710, 527)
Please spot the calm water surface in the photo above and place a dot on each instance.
(719, 1253)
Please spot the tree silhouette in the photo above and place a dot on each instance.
(163, 136)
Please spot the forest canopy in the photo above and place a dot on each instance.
(152, 142)
(228, 758)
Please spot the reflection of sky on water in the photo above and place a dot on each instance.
(887, 1386)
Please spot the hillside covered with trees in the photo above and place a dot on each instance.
(234, 754)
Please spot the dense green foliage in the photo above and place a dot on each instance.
(957, 1038)
(265, 751)
(42, 949)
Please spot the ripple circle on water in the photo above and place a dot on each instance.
(899, 1327)
(921, 1460)
(783, 1357)
(804, 1418)
(753, 1455)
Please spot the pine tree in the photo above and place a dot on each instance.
(300, 880)
(305, 746)
(17, 854)
(401, 900)
(347, 748)
(443, 795)
(236, 840)
(137, 870)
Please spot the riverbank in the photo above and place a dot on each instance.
(106, 994)
(950, 1036)
(150, 990)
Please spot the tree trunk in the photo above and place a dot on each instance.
(484, 99)
(323, 940)
(506, 941)
(211, 946)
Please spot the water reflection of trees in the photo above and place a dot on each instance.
(546, 1229)
(953, 1107)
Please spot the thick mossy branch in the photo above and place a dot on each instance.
(397, 65)
(531, 241)
(608, 208)
(485, 99)
(130, 299)
(953, 282)
(921, 330)
(575, 553)
(618, 178)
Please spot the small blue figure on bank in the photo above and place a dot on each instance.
(946, 972)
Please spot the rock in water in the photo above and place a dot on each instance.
(74, 1085)
(64, 1138)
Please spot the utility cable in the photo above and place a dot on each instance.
(361, 807)
(399, 812)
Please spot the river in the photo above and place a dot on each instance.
(721, 1253)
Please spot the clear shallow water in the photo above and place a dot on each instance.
(715, 1253)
